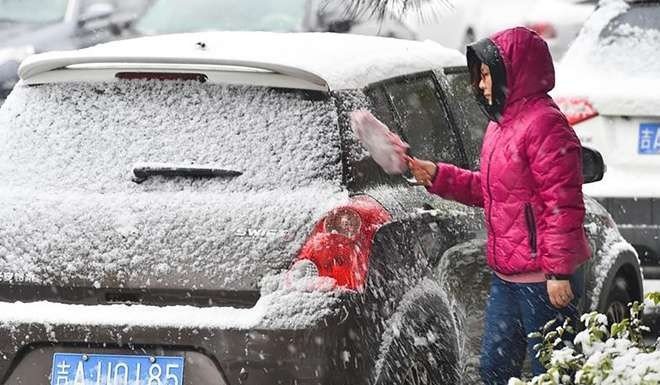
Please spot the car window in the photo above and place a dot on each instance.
(364, 171)
(174, 16)
(424, 123)
(645, 16)
(381, 107)
(91, 136)
(465, 108)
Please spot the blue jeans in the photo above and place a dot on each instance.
(513, 311)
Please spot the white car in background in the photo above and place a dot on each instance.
(557, 21)
(33, 26)
(608, 86)
(454, 23)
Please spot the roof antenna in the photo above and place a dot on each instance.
(201, 45)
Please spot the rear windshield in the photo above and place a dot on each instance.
(642, 16)
(630, 41)
(90, 136)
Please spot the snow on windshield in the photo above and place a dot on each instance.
(620, 47)
(588, 42)
(71, 212)
(613, 61)
(90, 136)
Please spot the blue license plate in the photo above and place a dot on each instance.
(112, 369)
(649, 138)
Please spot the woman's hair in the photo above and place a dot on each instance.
(475, 77)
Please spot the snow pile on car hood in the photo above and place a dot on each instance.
(617, 69)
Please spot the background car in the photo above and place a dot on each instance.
(607, 86)
(338, 16)
(557, 21)
(175, 16)
(200, 203)
(29, 26)
(455, 24)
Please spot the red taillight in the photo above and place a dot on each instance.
(340, 244)
(546, 30)
(576, 109)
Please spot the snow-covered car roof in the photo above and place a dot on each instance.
(316, 61)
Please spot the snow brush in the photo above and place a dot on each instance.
(385, 147)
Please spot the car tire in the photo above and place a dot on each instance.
(616, 305)
(622, 285)
(424, 350)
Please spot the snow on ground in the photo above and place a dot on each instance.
(651, 285)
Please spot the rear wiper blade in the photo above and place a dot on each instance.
(143, 171)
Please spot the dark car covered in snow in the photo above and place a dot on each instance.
(195, 209)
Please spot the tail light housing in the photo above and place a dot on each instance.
(340, 243)
(576, 109)
(545, 30)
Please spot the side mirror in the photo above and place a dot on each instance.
(97, 11)
(593, 166)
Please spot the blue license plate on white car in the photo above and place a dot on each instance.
(649, 139)
(112, 369)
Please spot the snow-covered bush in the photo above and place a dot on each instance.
(599, 354)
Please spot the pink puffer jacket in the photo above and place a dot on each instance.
(530, 184)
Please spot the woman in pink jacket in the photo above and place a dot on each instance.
(530, 186)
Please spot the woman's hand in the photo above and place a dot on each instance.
(423, 170)
(560, 293)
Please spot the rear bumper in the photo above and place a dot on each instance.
(322, 354)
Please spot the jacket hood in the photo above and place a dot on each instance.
(525, 60)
